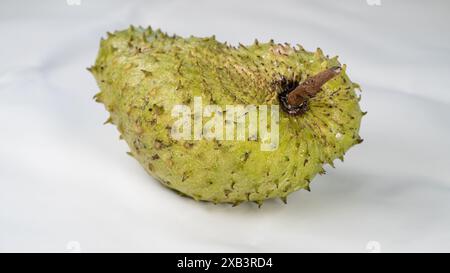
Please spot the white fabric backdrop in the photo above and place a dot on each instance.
(67, 184)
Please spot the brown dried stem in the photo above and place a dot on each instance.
(311, 86)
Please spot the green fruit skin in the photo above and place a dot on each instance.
(143, 73)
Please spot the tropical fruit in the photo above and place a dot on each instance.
(172, 100)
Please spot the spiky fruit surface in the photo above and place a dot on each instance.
(143, 74)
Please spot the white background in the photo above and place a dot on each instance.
(67, 184)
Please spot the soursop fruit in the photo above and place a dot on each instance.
(143, 74)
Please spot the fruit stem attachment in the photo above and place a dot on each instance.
(311, 86)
